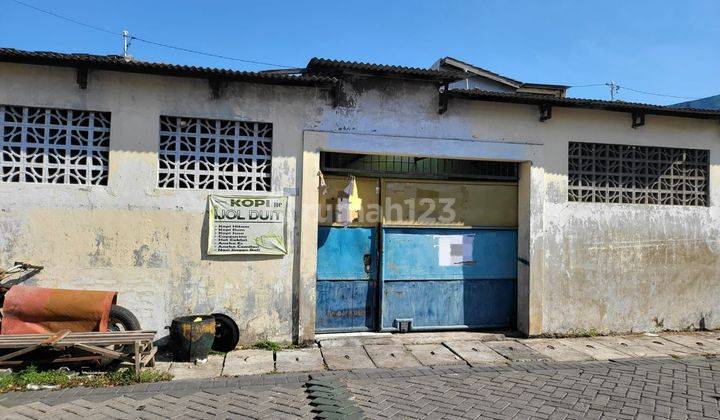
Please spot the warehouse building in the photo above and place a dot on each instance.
(414, 199)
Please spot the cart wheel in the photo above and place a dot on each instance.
(122, 319)
(227, 333)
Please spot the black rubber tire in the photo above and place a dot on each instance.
(227, 333)
(121, 319)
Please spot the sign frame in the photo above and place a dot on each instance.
(260, 220)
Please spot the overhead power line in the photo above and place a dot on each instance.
(148, 41)
(656, 94)
(77, 22)
(126, 37)
(614, 88)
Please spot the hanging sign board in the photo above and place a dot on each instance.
(246, 225)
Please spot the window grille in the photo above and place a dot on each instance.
(55, 146)
(200, 153)
(610, 173)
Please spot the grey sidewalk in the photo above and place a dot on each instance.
(467, 375)
(629, 388)
(348, 351)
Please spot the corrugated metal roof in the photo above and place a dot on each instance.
(491, 74)
(118, 63)
(620, 106)
(336, 67)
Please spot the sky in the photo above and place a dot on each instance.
(668, 47)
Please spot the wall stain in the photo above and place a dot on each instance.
(98, 258)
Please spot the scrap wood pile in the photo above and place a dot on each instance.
(45, 325)
(135, 347)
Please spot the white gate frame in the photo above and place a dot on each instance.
(531, 198)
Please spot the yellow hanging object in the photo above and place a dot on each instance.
(354, 199)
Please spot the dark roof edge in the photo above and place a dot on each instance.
(617, 106)
(546, 85)
(117, 63)
(338, 68)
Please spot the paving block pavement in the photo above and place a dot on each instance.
(248, 362)
(698, 342)
(554, 350)
(391, 356)
(515, 351)
(210, 369)
(299, 360)
(346, 358)
(434, 354)
(476, 353)
(630, 345)
(594, 349)
(625, 389)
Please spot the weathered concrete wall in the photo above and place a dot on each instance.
(609, 267)
(615, 267)
(147, 242)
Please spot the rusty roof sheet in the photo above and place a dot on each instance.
(337, 67)
(620, 106)
(118, 63)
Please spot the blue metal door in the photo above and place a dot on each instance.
(346, 278)
(448, 278)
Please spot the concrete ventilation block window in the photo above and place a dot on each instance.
(613, 173)
(54, 146)
(207, 154)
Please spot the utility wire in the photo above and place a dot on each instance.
(632, 90)
(656, 94)
(77, 22)
(590, 85)
(147, 41)
(225, 57)
(159, 44)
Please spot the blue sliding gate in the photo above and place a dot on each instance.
(448, 278)
(346, 279)
(412, 268)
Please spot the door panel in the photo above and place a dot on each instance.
(449, 278)
(449, 203)
(346, 267)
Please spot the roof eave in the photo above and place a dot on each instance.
(157, 69)
(585, 104)
(339, 69)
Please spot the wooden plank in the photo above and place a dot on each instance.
(80, 334)
(12, 341)
(72, 343)
(149, 359)
(137, 359)
(54, 338)
(55, 360)
(100, 350)
(19, 352)
(40, 337)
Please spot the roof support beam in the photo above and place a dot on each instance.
(443, 99)
(545, 112)
(82, 77)
(638, 119)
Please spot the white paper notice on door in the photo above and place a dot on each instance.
(455, 249)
